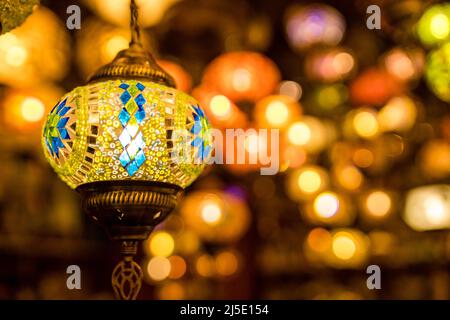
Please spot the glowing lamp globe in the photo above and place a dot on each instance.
(125, 130)
(129, 142)
(434, 25)
(437, 72)
(242, 76)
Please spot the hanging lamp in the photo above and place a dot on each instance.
(129, 143)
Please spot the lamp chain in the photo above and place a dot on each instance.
(134, 26)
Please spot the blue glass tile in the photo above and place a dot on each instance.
(64, 111)
(61, 105)
(196, 128)
(125, 97)
(124, 86)
(64, 133)
(132, 168)
(196, 117)
(140, 86)
(124, 159)
(140, 100)
(140, 158)
(196, 142)
(49, 147)
(140, 116)
(124, 116)
(206, 151)
(55, 144)
(62, 122)
(60, 143)
(200, 152)
(199, 111)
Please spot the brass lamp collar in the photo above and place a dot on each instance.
(133, 63)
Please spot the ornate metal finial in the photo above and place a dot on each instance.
(134, 62)
(126, 278)
(128, 210)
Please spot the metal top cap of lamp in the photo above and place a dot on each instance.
(129, 142)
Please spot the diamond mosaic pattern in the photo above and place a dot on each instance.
(55, 130)
(200, 139)
(131, 116)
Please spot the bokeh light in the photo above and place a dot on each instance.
(365, 123)
(349, 249)
(434, 25)
(405, 64)
(329, 98)
(161, 243)
(242, 76)
(221, 111)
(276, 111)
(309, 133)
(313, 24)
(326, 204)
(428, 208)
(344, 246)
(220, 106)
(363, 157)
(437, 75)
(330, 208)
(434, 158)
(24, 109)
(374, 87)
(399, 114)
(306, 181)
(341, 248)
(290, 89)
(378, 203)
(348, 176)
(205, 265)
(216, 216)
(177, 267)
(329, 65)
(319, 240)
(158, 268)
(227, 263)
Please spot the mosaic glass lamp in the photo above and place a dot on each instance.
(129, 143)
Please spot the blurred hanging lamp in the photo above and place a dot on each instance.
(14, 12)
(129, 143)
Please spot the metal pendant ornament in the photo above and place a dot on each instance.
(129, 143)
